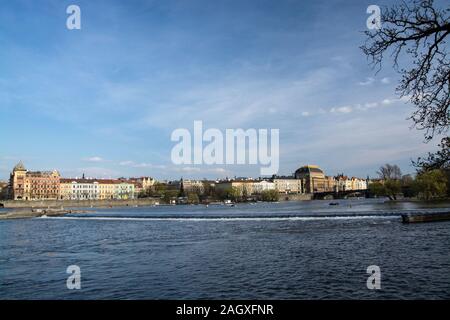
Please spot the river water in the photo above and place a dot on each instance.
(288, 250)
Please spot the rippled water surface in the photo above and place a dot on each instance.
(290, 250)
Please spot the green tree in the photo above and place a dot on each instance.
(270, 195)
(192, 197)
(233, 194)
(377, 189)
(168, 195)
(390, 185)
(431, 184)
(408, 186)
(393, 188)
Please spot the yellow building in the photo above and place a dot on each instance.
(107, 189)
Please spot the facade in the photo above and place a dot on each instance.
(246, 187)
(263, 185)
(288, 184)
(34, 185)
(123, 190)
(96, 189)
(193, 186)
(140, 184)
(106, 189)
(345, 183)
(79, 189)
(314, 179)
(359, 184)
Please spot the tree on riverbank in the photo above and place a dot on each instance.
(389, 188)
(427, 185)
(389, 184)
(415, 32)
(437, 161)
(431, 184)
(270, 195)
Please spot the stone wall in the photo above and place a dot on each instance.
(296, 197)
(77, 203)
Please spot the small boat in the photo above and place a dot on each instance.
(334, 203)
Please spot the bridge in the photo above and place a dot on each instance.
(341, 194)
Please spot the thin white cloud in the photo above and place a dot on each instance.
(344, 109)
(132, 164)
(94, 159)
(367, 82)
(385, 80)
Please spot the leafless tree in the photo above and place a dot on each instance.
(389, 172)
(417, 32)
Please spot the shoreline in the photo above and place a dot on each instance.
(36, 213)
(60, 204)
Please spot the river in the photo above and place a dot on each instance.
(287, 250)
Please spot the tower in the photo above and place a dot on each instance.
(18, 182)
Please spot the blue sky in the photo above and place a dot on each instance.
(104, 100)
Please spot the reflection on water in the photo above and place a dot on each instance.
(290, 250)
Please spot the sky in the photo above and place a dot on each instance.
(105, 99)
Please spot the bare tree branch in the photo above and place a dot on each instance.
(418, 31)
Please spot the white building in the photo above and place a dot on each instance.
(260, 186)
(79, 189)
(288, 185)
(124, 190)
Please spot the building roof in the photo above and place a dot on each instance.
(99, 181)
(19, 167)
(309, 169)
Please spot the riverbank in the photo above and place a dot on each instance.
(35, 213)
(47, 204)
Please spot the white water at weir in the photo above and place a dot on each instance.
(227, 218)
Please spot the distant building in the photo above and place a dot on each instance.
(359, 184)
(263, 185)
(196, 186)
(79, 189)
(96, 189)
(106, 189)
(34, 185)
(288, 184)
(140, 184)
(345, 183)
(314, 179)
(124, 190)
(246, 187)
